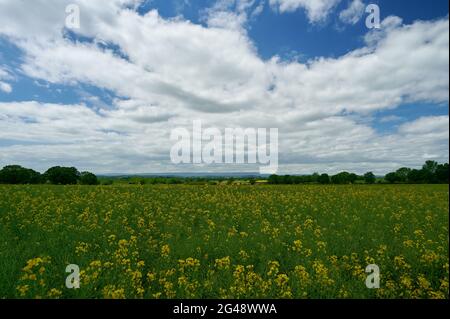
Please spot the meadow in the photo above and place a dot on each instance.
(224, 241)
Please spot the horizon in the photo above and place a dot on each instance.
(187, 174)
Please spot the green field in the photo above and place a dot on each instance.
(224, 241)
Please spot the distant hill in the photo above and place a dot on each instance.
(188, 175)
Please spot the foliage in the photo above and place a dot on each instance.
(87, 178)
(370, 178)
(15, 174)
(324, 179)
(62, 175)
(431, 173)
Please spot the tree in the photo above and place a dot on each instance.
(429, 171)
(402, 174)
(430, 167)
(391, 178)
(87, 178)
(287, 179)
(343, 178)
(62, 175)
(15, 174)
(442, 173)
(352, 178)
(416, 176)
(273, 179)
(323, 179)
(315, 177)
(370, 178)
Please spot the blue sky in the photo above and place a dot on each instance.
(303, 41)
(279, 34)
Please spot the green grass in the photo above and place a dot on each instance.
(129, 240)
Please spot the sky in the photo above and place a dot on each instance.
(106, 96)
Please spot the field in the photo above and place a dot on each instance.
(223, 241)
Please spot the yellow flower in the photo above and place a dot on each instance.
(157, 295)
(321, 245)
(273, 268)
(333, 259)
(408, 243)
(54, 293)
(111, 292)
(282, 280)
(81, 248)
(223, 263)
(238, 270)
(436, 295)
(33, 263)
(308, 223)
(429, 257)
(423, 282)
(302, 274)
(165, 251)
(182, 280)
(23, 290)
(322, 273)
(243, 254)
(308, 252)
(96, 264)
(151, 276)
(406, 282)
(297, 245)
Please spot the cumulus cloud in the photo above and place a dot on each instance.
(233, 14)
(172, 71)
(426, 125)
(353, 13)
(316, 10)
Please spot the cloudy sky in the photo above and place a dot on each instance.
(106, 96)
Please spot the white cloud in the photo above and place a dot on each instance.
(353, 13)
(181, 5)
(317, 10)
(4, 75)
(5, 87)
(388, 25)
(46, 19)
(426, 125)
(259, 8)
(233, 14)
(227, 19)
(178, 71)
(111, 142)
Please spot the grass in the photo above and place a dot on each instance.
(181, 241)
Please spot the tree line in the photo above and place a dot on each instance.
(15, 174)
(431, 173)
